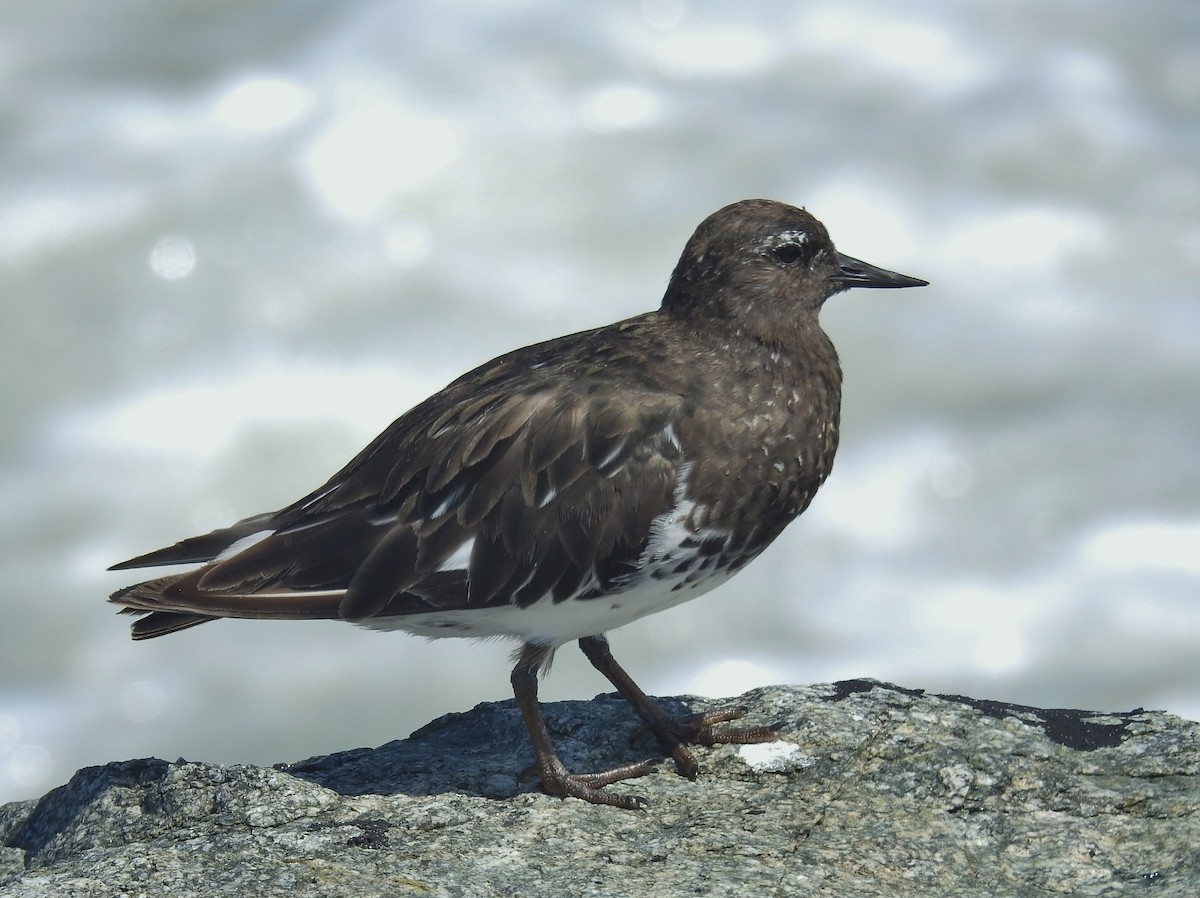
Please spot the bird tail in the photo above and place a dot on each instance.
(174, 603)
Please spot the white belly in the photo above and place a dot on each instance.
(674, 568)
(547, 623)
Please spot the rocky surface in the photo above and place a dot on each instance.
(872, 790)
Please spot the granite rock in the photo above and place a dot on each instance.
(872, 790)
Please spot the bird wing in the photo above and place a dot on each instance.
(493, 491)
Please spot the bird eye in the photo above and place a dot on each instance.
(787, 254)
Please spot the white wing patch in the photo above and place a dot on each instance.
(671, 436)
(460, 559)
(679, 553)
(243, 544)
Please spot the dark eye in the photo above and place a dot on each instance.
(787, 254)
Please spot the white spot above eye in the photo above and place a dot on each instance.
(798, 237)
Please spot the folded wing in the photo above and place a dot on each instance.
(465, 502)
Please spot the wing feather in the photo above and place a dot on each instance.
(557, 488)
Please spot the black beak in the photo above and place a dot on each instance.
(855, 273)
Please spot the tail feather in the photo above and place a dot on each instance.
(160, 623)
(199, 548)
(174, 603)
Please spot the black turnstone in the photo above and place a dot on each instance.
(569, 487)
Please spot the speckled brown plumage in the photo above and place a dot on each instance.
(568, 487)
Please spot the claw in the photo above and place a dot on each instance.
(701, 729)
(675, 735)
(557, 780)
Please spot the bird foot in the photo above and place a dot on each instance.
(557, 780)
(676, 734)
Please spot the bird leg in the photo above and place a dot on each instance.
(674, 735)
(555, 777)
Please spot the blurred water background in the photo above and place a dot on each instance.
(236, 240)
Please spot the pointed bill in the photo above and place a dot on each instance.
(857, 273)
